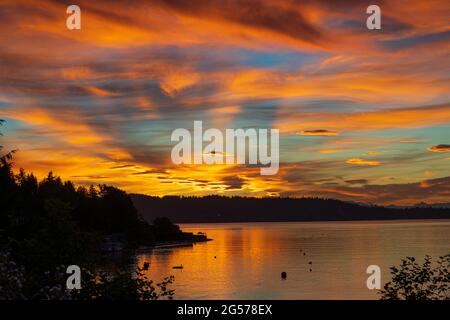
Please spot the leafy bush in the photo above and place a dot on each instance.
(95, 285)
(414, 281)
(11, 278)
(122, 286)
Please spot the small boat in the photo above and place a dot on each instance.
(178, 267)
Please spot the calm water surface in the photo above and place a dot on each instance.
(244, 261)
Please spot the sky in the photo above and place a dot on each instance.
(364, 115)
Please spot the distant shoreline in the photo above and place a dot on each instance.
(391, 221)
(219, 209)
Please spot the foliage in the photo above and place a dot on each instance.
(414, 281)
(47, 224)
(96, 285)
(13, 281)
(8, 156)
(11, 278)
(122, 286)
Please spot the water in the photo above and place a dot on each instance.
(245, 260)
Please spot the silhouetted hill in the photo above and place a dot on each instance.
(242, 209)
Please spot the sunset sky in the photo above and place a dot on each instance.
(364, 115)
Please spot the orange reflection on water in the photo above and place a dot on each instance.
(323, 260)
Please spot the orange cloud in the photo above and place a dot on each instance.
(145, 103)
(329, 151)
(78, 73)
(370, 153)
(366, 121)
(363, 162)
(227, 110)
(175, 82)
(66, 126)
(322, 133)
(425, 184)
(428, 173)
(99, 91)
(440, 148)
(170, 60)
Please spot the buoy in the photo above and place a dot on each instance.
(283, 275)
(310, 270)
(310, 262)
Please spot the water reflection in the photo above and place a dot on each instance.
(322, 260)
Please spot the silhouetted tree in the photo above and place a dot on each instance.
(4, 158)
(48, 224)
(414, 281)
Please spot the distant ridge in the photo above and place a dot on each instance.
(246, 209)
(424, 205)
